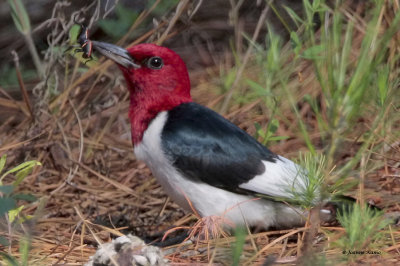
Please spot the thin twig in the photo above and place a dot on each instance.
(81, 141)
(99, 242)
(22, 84)
(292, 232)
(246, 58)
(138, 21)
(112, 182)
(179, 10)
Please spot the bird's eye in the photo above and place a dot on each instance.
(155, 62)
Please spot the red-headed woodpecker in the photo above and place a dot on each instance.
(195, 153)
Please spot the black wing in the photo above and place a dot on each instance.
(206, 147)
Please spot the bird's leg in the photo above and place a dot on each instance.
(210, 227)
(160, 239)
(206, 228)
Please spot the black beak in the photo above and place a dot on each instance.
(118, 54)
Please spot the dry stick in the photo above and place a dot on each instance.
(9, 228)
(112, 182)
(161, 211)
(14, 105)
(2, 91)
(239, 74)
(94, 234)
(393, 240)
(15, 145)
(362, 181)
(71, 240)
(108, 11)
(83, 232)
(195, 9)
(179, 10)
(74, 72)
(250, 261)
(70, 177)
(34, 54)
(233, 238)
(66, 254)
(64, 136)
(392, 248)
(313, 228)
(303, 236)
(108, 125)
(21, 84)
(253, 243)
(236, 25)
(139, 20)
(83, 102)
(11, 103)
(299, 243)
(284, 247)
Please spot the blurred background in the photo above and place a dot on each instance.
(205, 36)
(316, 81)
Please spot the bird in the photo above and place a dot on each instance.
(202, 160)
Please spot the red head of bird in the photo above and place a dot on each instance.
(156, 77)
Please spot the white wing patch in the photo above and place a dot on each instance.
(278, 179)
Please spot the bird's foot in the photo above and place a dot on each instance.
(209, 227)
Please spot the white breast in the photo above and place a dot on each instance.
(206, 199)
